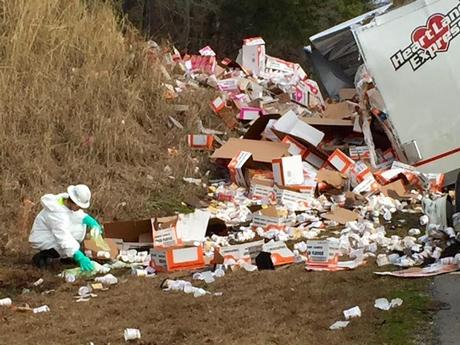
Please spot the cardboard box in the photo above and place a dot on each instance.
(200, 64)
(270, 218)
(217, 104)
(280, 253)
(95, 246)
(253, 55)
(317, 100)
(129, 231)
(246, 251)
(359, 173)
(286, 197)
(436, 182)
(291, 125)
(164, 232)
(313, 159)
(207, 51)
(268, 132)
(341, 161)
(295, 148)
(235, 168)
(176, 259)
(249, 113)
(219, 107)
(359, 152)
(288, 171)
(321, 254)
(262, 151)
(366, 185)
(200, 141)
(228, 85)
(275, 65)
(261, 188)
(301, 94)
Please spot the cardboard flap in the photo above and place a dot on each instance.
(396, 189)
(338, 110)
(324, 121)
(192, 227)
(332, 178)
(290, 124)
(262, 151)
(341, 215)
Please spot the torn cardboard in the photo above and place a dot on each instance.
(341, 215)
(334, 179)
(262, 151)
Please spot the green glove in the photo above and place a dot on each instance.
(93, 224)
(84, 262)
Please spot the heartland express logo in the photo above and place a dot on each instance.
(429, 40)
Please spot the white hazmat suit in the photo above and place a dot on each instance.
(57, 227)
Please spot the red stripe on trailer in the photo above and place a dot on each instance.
(435, 158)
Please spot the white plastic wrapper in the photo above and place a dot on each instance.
(352, 313)
(338, 325)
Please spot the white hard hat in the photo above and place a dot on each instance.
(80, 195)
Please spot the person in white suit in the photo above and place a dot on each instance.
(60, 227)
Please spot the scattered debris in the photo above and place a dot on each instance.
(42, 309)
(384, 304)
(339, 325)
(5, 302)
(132, 334)
(352, 312)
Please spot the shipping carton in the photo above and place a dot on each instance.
(249, 113)
(175, 259)
(261, 188)
(288, 171)
(235, 167)
(200, 141)
(270, 218)
(341, 161)
(288, 197)
(280, 253)
(321, 254)
(246, 251)
(253, 55)
(164, 232)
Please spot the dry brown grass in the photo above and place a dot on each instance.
(80, 104)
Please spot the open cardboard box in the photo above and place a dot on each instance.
(176, 259)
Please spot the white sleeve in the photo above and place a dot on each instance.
(59, 222)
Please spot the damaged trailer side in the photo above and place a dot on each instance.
(410, 59)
